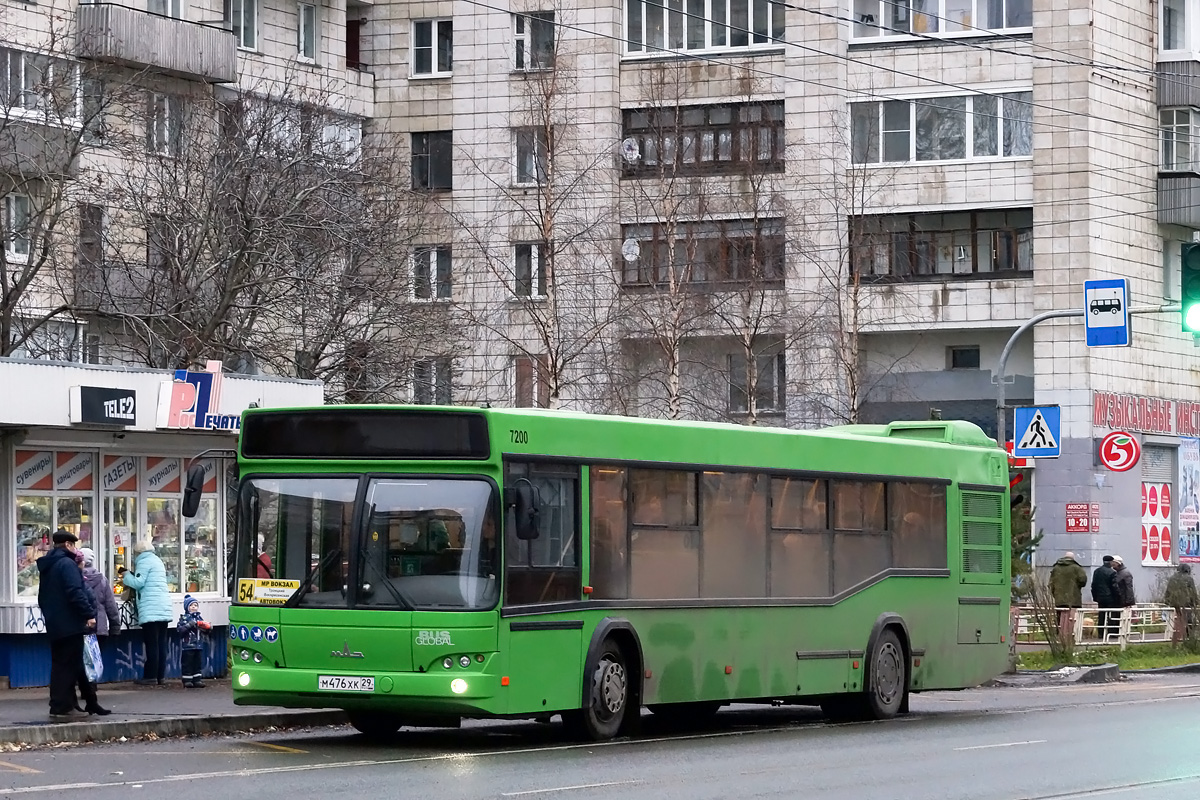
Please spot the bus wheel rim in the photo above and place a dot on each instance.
(611, 688)
(887, 673)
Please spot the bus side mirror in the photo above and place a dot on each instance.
(525, 509)
(193, 490)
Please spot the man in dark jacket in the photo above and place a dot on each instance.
(1067, 580)
(1122, 588)
(69, 613)
(1103, 592)
(1182, 597)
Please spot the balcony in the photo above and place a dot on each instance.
(1179, 199)
(130, 37)
(36, 150)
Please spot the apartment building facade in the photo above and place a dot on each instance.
(753, 211)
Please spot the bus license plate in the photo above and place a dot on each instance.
(341, 683)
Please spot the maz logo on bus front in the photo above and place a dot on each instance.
(433, 638)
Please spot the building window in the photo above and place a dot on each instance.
(727, 252)
(431, 273)
(962, 357)
(942, 128)
(1174, 25)
(306, 32)
(18, 224)
(533, 40)
(530, 270)
(769, 382)
(432, 165)
(653, 27)
(433, 47)
(166, 8)
(38, 86)
(531, 381)
(242, 17)
(533, 146)
(354, 44)
(58, 339)
(1177, 128)
(701, 140)
(94, 121)
(967, 244)
(875, 18)
(432, 381)
(90, 248)
(164, 125)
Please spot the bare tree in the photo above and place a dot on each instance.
(705, 291)
(260, 228)
(50, 116)
(545, 240)
(839, 250)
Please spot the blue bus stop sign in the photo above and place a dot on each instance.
(1106, 312)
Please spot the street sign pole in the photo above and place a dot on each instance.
(1002, 364)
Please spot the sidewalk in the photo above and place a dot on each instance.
(168, 710)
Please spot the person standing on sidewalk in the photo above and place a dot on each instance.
(69, 613)
(1105, 596)
(108, 616)
(191, 659)
(1182, 597)
(149, 579)
(1123, 588)
(1067, 579)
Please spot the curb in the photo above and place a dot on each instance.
(1104, 673)
(79, 732)
(1165, 670)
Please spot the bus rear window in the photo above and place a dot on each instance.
(365, 433)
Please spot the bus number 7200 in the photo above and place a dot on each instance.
(519, 437)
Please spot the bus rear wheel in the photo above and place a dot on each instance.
(887, 677)
(375, 724)
(604, 712)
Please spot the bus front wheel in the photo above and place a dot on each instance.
(601, 718)
(374, 724)
(887, 677)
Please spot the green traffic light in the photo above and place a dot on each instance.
(1189, 285)
(1191, 318)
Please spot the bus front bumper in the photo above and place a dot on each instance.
(452, 692)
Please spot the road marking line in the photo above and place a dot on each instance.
(1005, 744)
(18, 768)
(567, 788)
(279, 747)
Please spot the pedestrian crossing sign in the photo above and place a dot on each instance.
(1037, 432)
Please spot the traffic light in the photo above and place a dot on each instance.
(1189, 285)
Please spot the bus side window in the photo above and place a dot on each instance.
(546, 569)
(609, 576)
(918, 522)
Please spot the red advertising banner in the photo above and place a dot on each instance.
(1078, 518)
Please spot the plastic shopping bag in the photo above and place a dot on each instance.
(93, 664)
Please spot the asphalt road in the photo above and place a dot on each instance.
(1132, 741)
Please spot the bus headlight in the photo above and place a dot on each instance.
(447, 662)
(245, 655)
(458, 686)
(258, 658)
(464, 662)
(244, 679)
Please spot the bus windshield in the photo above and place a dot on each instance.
(424, 544)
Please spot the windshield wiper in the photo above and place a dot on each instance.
(294, 600)
(363, 556)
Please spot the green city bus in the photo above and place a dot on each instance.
(417, 565)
